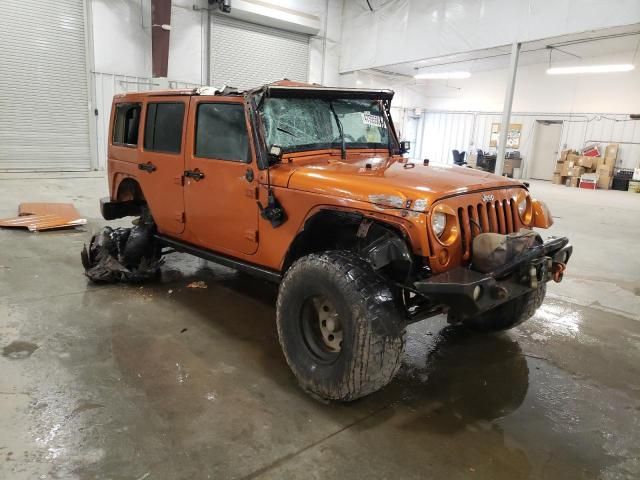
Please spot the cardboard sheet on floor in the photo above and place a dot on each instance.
(36, 217)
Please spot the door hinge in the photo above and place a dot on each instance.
(251, 235)
(179, 180)
(180, 217)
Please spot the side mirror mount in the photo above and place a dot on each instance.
(405, 146)
(275, 154)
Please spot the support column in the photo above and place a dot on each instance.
(508, 103)
(160, 17)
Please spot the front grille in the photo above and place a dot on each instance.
(498, 216)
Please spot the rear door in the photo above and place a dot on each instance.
(221, 177)
(161, 160)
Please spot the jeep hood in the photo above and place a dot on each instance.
(392, 182)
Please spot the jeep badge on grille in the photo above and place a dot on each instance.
(488, 197)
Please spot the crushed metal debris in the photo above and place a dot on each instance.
(198, 284)
(44, 216)
(122, 255)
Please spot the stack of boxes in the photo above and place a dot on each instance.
(561, 171)
(571, 167)
(606, 165)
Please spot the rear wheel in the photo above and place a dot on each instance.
(339, 326)
(509, 314)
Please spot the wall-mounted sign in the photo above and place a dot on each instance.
(513, 135)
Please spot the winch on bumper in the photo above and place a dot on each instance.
(468, 293)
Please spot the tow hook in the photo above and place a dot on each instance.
(558, 271)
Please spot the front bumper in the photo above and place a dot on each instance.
(468, 293)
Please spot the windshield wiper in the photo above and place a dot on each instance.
(286, 131)
(343, 147)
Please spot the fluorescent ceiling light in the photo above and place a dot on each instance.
(441, 75)
(625, 67)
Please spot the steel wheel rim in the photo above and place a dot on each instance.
(321, 328)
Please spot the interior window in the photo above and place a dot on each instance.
(163, 127)
(221, 132)
(125, 129)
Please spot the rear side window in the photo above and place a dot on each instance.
(163, 127)
(127, 123)
(221, 132)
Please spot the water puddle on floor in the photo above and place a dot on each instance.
(19, 349)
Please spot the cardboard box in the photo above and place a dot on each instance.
(572, 181)
(572, 157)
(558, 179)
(563, 155)
(611, 152)
(606, 164)
(564, 169)
(576, 171)
(605, 181)
(507, 169)
(558, 167)
(587, 162)
(604, 172)
(593, 151)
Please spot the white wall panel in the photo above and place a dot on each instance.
(400, 31)
(122, 36)
(536, 91)
(444, 132)
(468, 131)
(187, 46)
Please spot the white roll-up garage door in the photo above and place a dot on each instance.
(44, 118)
(246, 55)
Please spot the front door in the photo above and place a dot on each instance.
(545, 150)
(220, 181)
(161, 160)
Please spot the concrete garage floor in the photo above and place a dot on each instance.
(168, 382)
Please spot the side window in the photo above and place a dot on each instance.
(163, 127)
(221, 132)
(127, 123)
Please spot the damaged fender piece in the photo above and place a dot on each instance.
(122, 255)
(36, 217)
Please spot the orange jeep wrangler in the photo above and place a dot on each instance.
(310, 187)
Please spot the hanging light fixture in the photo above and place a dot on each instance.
(623, 67)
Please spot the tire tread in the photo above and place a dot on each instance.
(380, 332)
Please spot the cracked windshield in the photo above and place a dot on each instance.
(310, 123)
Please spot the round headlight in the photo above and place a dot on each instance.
(438, 223)
(522, 206)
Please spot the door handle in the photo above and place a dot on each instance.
(196, 174)
(148, 167)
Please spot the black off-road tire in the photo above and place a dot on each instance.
(372, 326)
(509, 314)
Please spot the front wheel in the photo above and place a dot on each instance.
(339, 326)
(510, 313)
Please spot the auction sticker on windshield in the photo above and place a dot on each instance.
(375, 120)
